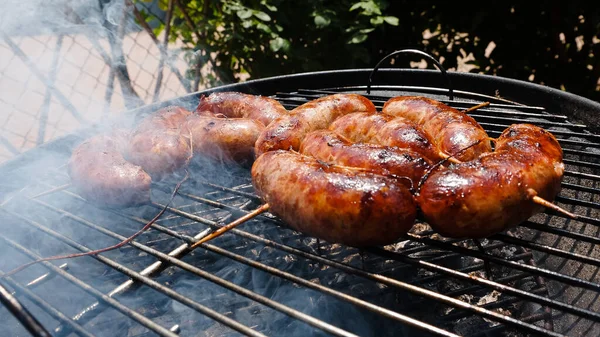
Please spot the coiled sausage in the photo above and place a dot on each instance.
(494, 192)
(288, 131)
(335, 203)
(101, 175)
(453, 132)
(239, 105)
(327, 147)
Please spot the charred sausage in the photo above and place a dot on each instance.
(386, 130)
(224, 139)
(288, 131)
(453, 132)
(328, 147)
(158, 145)
(101, 175)
(333, 203)
(239, 105)
(494, 192)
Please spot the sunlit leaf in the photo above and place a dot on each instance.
(269, 7)
(376, 20)
(358, 38)
(322, 21)
(247, 23)
(279, 43)
(262, 16)
(391, 20)
(261, 26)
(244, 13)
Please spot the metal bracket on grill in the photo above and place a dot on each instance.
(421, 53)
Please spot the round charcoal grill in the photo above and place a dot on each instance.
(265, 279)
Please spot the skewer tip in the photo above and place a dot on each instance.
(543, 202)
(231, 225)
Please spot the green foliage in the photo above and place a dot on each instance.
(554, 43)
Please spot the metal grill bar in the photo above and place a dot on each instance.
(92, 291)
(320, 324)
(293, 313)
(376, 277)
(21, 313)
(57, 314)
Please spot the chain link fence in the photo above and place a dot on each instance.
(99, 61)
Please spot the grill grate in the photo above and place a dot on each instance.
(265, 279)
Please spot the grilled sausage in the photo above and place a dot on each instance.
(333, 203)
(238, 105)
(222, 138)
(327, 147)
(288, 131)
(493, 193)
(360, 127)
(101, 175)
(451, 130)
(386, 130)
(157, 144)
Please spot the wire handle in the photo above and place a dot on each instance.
(421, 53)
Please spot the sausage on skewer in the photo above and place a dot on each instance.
(450, 129)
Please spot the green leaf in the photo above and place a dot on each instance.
(279, 43)
(358, 38)
(366, 30)
(356, 6)
(262, 16)
(263, 27)
(247, 23)
(391, 20)
(369, 7)
(244, 13)
(163, 5)
(269, 7)
(377, 20)
(322, 21)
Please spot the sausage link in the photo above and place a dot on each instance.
(333, 203)
(288, 131)
(157, 144)
(224, 139)
(239, 105)
(452, 131)
(360, 127)
(493, 193)
(387, 130)
(326, 146)
(102, 176)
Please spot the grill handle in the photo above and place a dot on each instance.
(421, 53)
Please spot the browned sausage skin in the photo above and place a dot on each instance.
(387, 130)
(287, 132)
(494, 192)
(224, 139)
(157, 144)
(239, 105)
(327, 147)
(452, 131)
(101, 174)
(360, 127)
(334, 203)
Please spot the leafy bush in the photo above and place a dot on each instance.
(554, 43)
